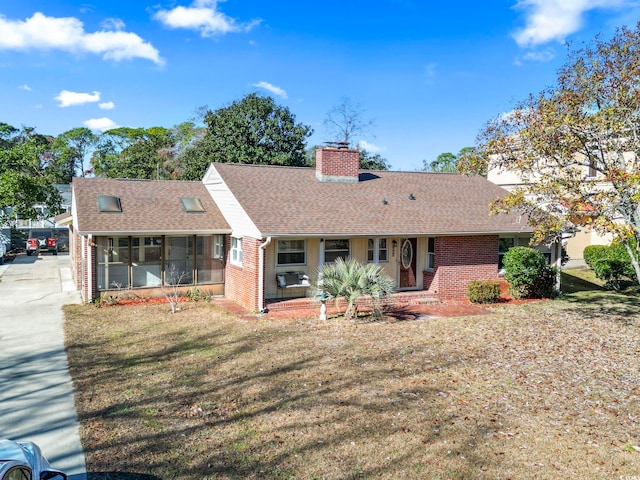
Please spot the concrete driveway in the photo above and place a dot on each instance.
(36, 398)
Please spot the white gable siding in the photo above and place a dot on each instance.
(232, 211)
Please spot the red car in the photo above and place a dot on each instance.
(41, 240)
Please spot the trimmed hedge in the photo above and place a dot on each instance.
(483, 291)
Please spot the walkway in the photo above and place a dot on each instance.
(36, 398)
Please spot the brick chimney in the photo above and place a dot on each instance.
(337, 163)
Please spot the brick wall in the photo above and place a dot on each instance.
(241, 283)
(337, 164)
(460, 260)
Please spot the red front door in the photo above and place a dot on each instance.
(408, 263)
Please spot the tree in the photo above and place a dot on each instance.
(71, 148)
(252, 130)
(24, 178)
(372, 161)
(135, 153)
(345, 122)
(576, 145)
(447, 162)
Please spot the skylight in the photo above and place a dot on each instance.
(109, 204)
(192, 205)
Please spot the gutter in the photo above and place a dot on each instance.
(263, 247)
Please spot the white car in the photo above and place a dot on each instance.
(24, 461)
(3, 248)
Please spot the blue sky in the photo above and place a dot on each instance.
(429, 74)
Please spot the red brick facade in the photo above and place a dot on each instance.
(337, 164)
(241, 283)
(460, 260)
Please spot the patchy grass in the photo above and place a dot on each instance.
(544, 390)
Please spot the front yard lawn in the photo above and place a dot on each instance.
(543, 390)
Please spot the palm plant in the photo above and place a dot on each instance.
(351, 280)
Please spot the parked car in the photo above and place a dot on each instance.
(25, 461)
(41, 240)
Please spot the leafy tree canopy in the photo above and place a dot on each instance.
(25, 176)
(576, 145)
(135, 153)
(252, 130)
(447, 162)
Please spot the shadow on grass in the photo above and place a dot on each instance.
(120, 476)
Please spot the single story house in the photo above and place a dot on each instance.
(261, 232)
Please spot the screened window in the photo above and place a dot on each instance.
(125, 262)
(431, 253)
(146, 261)
(336, 248)
(377, 250)
(292, 252)
(236, 251)
(113, 262)
(178, 268)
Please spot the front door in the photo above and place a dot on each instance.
(408, 263)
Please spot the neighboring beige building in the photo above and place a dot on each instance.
(582, 238)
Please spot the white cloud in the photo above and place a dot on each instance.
(25, 87)
(67, 34)
(536, 56)
(203, 16)
(549, 20)
(68, 99)
(271, 88)
(369, 147)
(107, 105)
(103, 124)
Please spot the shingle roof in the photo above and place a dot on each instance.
(292, 201)
(147, 206)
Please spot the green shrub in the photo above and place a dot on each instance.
(483, 291)
(610, 264)
(528, 275)
(611, 271)
(593, 253)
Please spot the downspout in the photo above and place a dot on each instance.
(263, 247)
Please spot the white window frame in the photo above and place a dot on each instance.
(236, 251)
(279, 249)
(377, 249)
(431, 255)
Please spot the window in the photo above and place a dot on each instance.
(431, 253)
(146, 261)
(125, 262)
(378, 245)
(113, 262)
(178, 266)
(334, 249)
(292, 252)
(504, 245)
(210, 259)
(192, 205)
(236, 251)
(108, 204)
